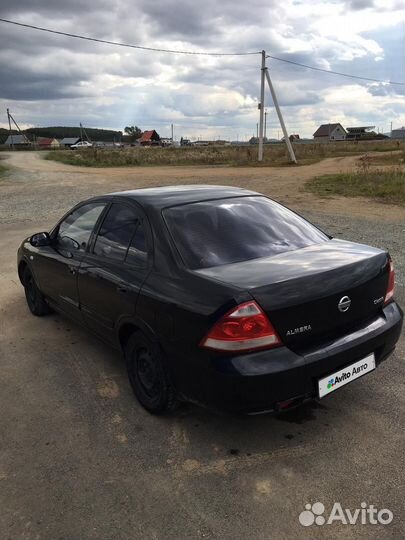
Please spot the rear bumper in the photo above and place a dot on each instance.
(262, 381)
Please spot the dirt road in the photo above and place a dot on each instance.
(65, 183)
(80, 459)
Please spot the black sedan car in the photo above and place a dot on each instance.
(216, 295)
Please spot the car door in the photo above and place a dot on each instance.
(112, 273)
(58, 264)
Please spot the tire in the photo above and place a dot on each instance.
(148, 375)
(36, 302)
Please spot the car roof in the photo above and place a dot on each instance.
(162, 197)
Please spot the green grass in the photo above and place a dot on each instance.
(3, 169)
(385, 186)
(274, 154)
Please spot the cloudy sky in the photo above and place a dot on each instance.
(54, 80)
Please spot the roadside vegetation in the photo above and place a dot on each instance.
(385, 185)
(274, 154)
(387, 158)
(3, 169)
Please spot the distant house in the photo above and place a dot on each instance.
(360, 133)
(398, 133)
(330, 132)
(19, 141)
(149, 138)
(166, 141)
(68, 141)
(47, 142)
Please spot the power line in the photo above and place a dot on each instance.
(334, 72)
(117, 43)
(198, 53)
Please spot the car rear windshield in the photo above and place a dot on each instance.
(225, 231)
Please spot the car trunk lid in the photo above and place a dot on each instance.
(313, 293)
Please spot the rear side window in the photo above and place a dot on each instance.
(120, 234)
(225, 231)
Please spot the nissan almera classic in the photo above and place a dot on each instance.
(216, 295)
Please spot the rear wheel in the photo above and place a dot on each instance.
(36, 302)
(148, 375)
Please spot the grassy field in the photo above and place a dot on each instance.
(274, 154)
(387, 158)
(386, 185)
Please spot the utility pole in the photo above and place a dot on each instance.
(391, 131)
(10, 117)
(265, 75)
(257, 131)
(9, 128)
(82, 130)
(265, 125)
(172, 133)
(261, 105)
(280, 117)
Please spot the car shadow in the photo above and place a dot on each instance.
(190, 437)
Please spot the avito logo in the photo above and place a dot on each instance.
(367, 514)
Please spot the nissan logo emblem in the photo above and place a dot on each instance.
(344, 304)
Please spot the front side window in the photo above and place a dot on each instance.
(226, 231)
(121, 236)
(75, 230)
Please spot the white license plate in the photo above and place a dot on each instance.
(336, 380)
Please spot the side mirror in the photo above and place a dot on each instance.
(40, 239)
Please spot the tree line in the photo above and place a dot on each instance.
(130, 134)
(60, 132)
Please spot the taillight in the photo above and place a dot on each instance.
(391, 283)
(244, 328)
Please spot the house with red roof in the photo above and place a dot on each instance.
(45, 142)
(149, 138)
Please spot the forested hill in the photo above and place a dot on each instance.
(59, 132)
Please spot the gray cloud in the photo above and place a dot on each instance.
(358, 5)
(384, 90)
(57, 79)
